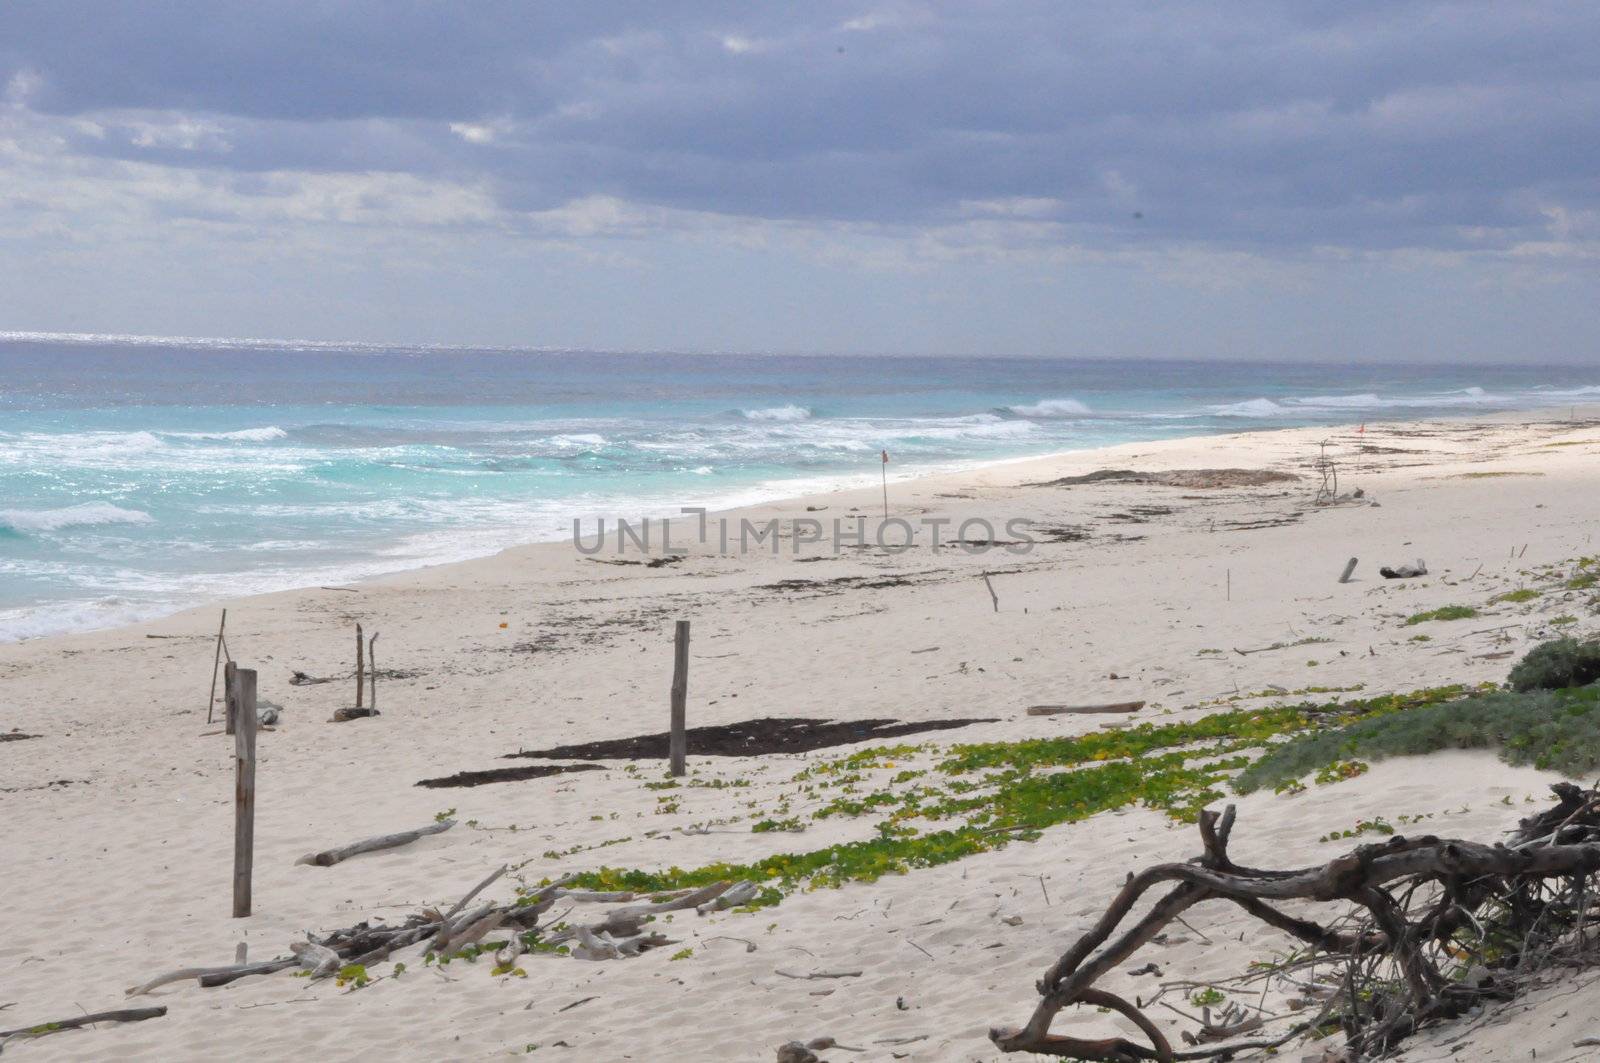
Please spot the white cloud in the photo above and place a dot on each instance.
(475, 132)
(738, 45)
(1013, 206)
(22, 86)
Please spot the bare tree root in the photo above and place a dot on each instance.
(1425, 928)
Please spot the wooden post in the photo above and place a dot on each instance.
(678, 744)
(1349, 568)
(242, 699)
(216, 661)
(372, 659)
(230, 706)
(360, 670)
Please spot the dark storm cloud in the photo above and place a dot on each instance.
(1253, 125)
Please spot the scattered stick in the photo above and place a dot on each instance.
(994, 598)
(1057, 710)
(329, 857)
(818, 974)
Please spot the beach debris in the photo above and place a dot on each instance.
(15, 736)
(817, 974)
(993, 597)
(1203, 479)
(1395, 960)
(44, 1029)
(329, 857)
(1411, 571)
(347, 714)
(1057, 710)
(751, 738)
(306, 679)
(494, 775)
(1349, 570)
(795, 1052)
(452, 931)
(268, 713)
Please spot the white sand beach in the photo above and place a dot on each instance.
(116, 820)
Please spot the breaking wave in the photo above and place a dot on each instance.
(778, 413)
(1051, 408)
(88, 514)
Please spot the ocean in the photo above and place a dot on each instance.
(140, 476)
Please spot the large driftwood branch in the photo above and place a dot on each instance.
(1417, 896)
(329, 857)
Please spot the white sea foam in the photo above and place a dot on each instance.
(244, 435)
(87, 514)
(58, 618)
(1051, 408)
(586, 440)
(1251, 408)
(779, 413)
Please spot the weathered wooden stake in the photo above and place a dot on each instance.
(360, 668)
(678, 743)
(1349, 568)
(229, 707)
(372, 659)
(242, 700)
(216, 662)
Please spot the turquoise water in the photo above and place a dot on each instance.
(139, 477)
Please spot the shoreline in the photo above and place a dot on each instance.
(957, 469)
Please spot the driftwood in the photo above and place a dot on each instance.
(620, 934)
(329, 857)
(1349, 570)
(1427, 917)
(77, 1021)
(1057, 710)
(1420, 568)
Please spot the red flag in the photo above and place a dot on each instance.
(886, 457)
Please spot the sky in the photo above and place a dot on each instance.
(1406, 181)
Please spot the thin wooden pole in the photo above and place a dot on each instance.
(885, 470)
(244, 787)
(216, 663)
(230, 707)
(678, 744)
(372, 659)
(360, 668)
